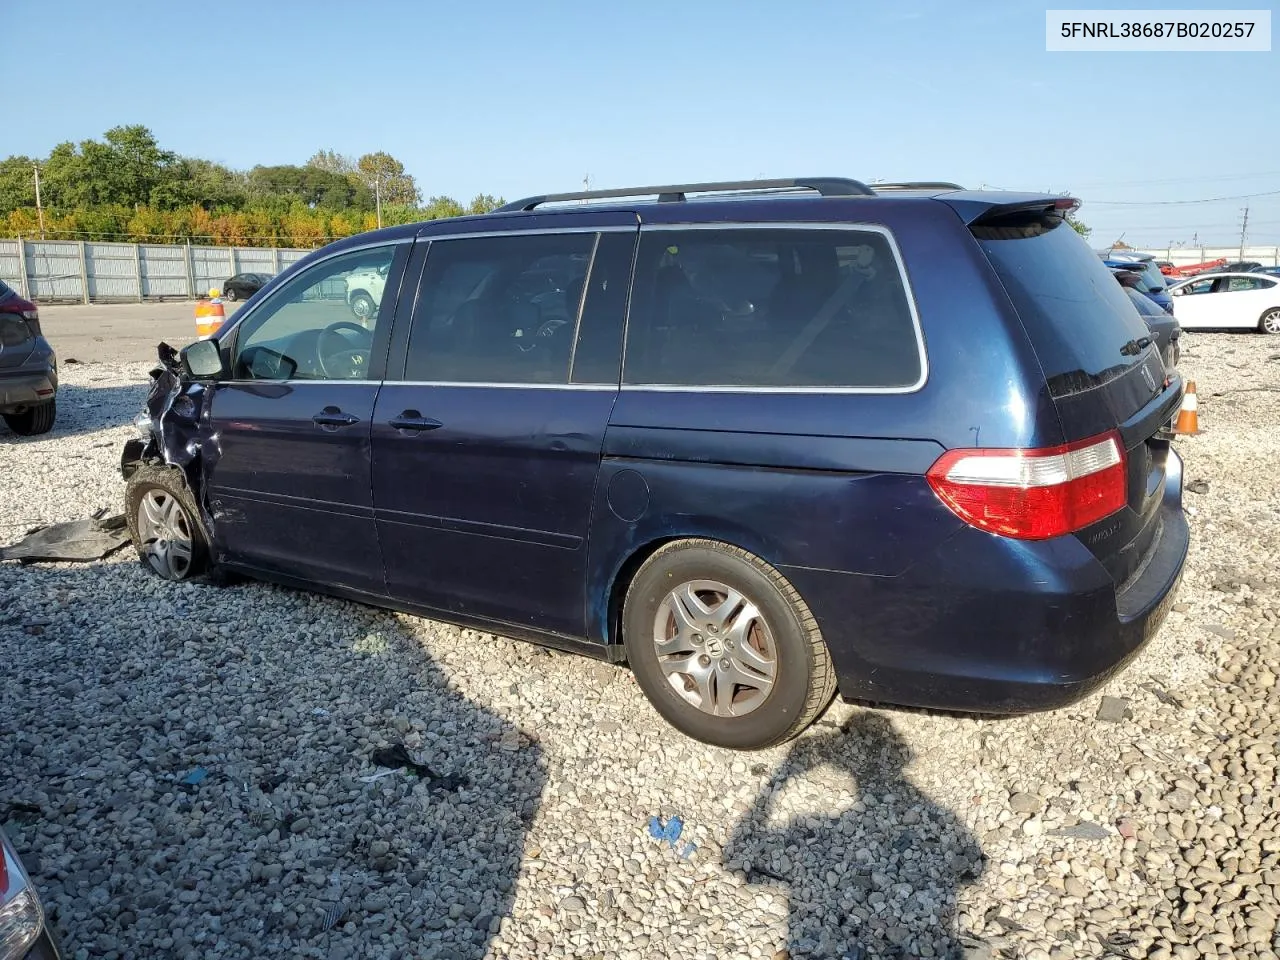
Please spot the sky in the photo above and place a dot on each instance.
(517, 98)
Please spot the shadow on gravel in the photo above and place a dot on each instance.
(183, 771)
(893, 862)
(88, 409)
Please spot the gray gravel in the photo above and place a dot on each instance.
(879, 834)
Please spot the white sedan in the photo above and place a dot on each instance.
(1248, 301)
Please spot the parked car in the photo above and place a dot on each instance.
(244, 285)
(779, 493)
(1269, 271)
(28, 367)
(364, 291)
(1164, 327)
(23, 932)
(1242, 301)
(1154, 283)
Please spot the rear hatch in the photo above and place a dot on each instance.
(1102, 366)
(17, 333)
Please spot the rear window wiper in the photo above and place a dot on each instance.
(1135, 347)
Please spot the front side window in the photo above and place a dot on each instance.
(776, 308)
(318, 326)
(499, 309)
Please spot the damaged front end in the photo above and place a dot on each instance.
(171, 425)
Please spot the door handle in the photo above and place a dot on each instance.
(332, 417)
(411, 421)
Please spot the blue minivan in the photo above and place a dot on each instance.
(761, 441)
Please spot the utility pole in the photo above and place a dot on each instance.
(377, 193)
(39, 206)
(1244, 228)
(586, 185)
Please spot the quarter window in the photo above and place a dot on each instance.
(320, 325)
(784, 307)
(499, 309)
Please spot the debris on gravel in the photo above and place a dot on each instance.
(879, 833)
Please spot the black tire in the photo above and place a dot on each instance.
(36, 419)
(169, 483)
(805, 682)
(1269, 322)
(230, 294)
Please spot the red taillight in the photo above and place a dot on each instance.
(1034, 494)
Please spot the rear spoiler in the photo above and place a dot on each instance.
(978, 206)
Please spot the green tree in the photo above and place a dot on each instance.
(333, 162)
(1079, 226)
(17, 184)
(438, 208)
(385, 174)
(484, 203)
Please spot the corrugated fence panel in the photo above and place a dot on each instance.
(255, 260)
(11, 264)
(164, 271)
(290, 257)
(53, 270)
(211, 266)
(112, 270)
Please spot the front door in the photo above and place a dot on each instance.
(288, 476)
(487, 439)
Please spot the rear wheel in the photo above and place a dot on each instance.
(1270, 321)
(164, 523)
(36, 419)
(724, 647)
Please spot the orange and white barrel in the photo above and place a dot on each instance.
(210, 315)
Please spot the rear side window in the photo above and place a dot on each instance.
(772, 307)
(1079, 320)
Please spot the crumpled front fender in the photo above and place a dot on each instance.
(178, 409)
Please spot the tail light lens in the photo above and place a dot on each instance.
(21, 918)
(1034, 494)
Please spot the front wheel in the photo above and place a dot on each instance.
(363, 307)
(164, 523)
(1270, 322)
(724, 647)
(229, 295)
(36, 419)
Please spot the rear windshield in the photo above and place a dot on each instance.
(1146, 306)
(1083, 327)
(5, 291)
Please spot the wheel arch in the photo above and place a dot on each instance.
(605, 618)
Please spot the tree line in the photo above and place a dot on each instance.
(127, 188)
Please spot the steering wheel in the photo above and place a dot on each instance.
(545, 331)
(356, 358)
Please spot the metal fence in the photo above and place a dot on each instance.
(1185, 256)
(58, 270)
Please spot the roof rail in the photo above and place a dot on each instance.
(917, 185)
(675, 193)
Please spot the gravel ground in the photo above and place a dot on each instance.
(878, 834)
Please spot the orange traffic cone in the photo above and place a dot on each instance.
(1188, 419)
(210, 315)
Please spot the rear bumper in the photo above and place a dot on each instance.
(24, 388)
(990, 625)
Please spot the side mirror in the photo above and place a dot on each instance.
(202, 360)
